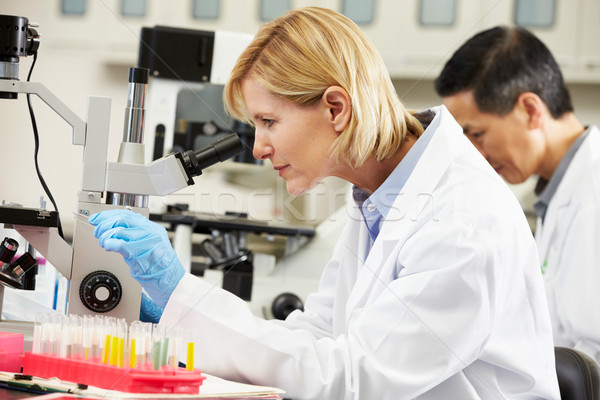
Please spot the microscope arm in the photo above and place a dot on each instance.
(46, 239)
(53, 102)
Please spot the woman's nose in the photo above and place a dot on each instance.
(261, 150)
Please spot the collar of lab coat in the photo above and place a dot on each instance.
(416, 200)
(447, 143)
(577, 174)
(417, 196)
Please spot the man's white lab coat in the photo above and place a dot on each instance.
(569, 246)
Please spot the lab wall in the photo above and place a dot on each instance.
(89, 54)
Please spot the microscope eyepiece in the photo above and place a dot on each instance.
(195, 161)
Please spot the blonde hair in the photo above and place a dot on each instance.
(302, 53)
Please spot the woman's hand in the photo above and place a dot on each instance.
(145, 247)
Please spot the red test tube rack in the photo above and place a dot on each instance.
(106, 353)
(106, 376)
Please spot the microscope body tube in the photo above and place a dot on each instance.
(129, 181)
(135, 113)
(132, 147)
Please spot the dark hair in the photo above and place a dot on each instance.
(499, 64)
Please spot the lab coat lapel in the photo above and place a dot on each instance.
(562, 198)
(358, 250)
(417, 194)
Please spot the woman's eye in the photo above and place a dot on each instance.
(476, 135)
(268, 122)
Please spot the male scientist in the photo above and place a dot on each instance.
(505, 89)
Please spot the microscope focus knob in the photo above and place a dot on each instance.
(100, 291)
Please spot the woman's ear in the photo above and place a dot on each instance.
(339, 107)
(534, 107)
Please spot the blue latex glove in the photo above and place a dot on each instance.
(149, 312)
(146, 248)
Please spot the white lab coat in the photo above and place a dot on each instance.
(447, 304)
(569, 246)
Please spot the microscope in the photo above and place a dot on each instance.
(99, 281)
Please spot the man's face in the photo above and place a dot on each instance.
(505, 141)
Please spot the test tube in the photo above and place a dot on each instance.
(87, 332)
(134, 340)
(108, 332)
(190, 349)
(38, 331)
(138, 344)
(159, 346)
(55, 325)
(46, 347)
(114, 341)
(50, 326)
(164, 351)
(98, 334)
(66, 339)
(175, 337)
(122, 338)
(75, 321)
(147, 333)
(60, 340)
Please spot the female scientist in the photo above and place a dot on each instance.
(433, 290)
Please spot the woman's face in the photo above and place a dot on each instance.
(296, 139)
